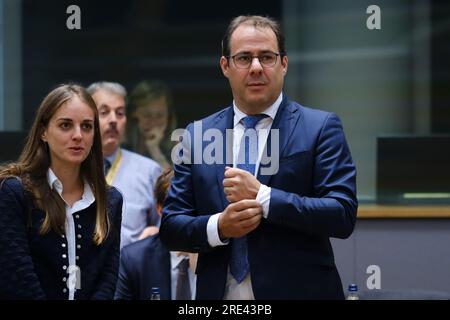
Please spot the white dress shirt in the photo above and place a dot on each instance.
(243, 290)
(86, 200)
(175, 259)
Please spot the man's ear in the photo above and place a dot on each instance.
(224, 65)
(284, 63)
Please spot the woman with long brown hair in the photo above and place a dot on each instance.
(59, 221)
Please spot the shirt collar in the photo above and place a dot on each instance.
(175, 259)
(55, 183)
(270, 111)
(113, 155)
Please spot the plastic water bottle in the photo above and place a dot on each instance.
(155, 294)
(352, 292)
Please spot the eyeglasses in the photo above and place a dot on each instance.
(244, 60)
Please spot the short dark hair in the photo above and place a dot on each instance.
(162, 186)
(257, 22)
(148, 90)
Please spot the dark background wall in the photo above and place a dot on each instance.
(175, 41)
(440, 80)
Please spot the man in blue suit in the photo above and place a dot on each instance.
(148, 263)
(262, 233)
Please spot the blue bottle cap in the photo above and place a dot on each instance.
(155, 290)
(352, 287)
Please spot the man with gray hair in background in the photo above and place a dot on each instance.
(134, 175)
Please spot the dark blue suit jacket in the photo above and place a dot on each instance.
(144, 264)
(34, 266)
(313, 197)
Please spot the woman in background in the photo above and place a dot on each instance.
(150, 109)
(59, 221)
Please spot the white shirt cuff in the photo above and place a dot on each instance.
(212, 230)
(263, 197)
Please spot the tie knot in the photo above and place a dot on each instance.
(250, 122)
(106, 165)
(183, 266)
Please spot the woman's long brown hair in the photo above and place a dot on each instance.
(34, 163)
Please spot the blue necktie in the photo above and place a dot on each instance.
(183, 290)
(247, 157)
(106, 166)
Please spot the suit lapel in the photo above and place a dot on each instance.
(223, 122)
(285, 121)
(163, 259)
